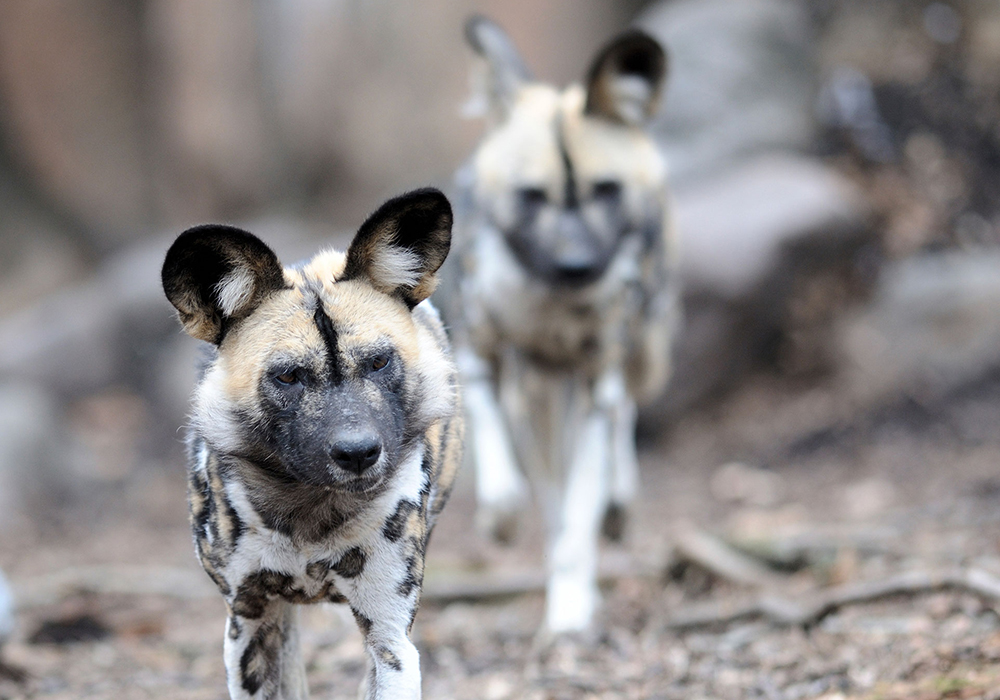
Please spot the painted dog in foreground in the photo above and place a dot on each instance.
(566, 302)
(325, 436)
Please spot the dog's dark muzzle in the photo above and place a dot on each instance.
(568, 254)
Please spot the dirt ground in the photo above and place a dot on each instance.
(837, 495)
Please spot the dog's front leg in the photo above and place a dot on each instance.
(262, 656)
(384, 597)
(572, 595)
(611, 394)
(501, 490)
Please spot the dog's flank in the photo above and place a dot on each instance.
(326, 434)
(567, 300)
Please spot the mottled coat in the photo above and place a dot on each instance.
(325, 436)
(567, 300)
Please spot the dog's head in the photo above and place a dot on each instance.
(323, 373)
(566, 174)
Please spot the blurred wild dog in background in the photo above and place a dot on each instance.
(566, 303)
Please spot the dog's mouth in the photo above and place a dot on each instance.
(366, 482)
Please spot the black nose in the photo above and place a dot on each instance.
(577, 272)
(356, 453)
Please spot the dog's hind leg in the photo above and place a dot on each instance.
(571, 593)
(501, 489)
(612, 393)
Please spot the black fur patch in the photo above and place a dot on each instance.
(386, 656)
(571, 195)
(364, 623)
(395, 525)
(329, 335)
(235, 627)
(351, 564)
(318, 570)
(255, 590)
(198, 499)
(414, 576)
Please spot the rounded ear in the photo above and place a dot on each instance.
(505, 71)
(399, 249)
(216, 274)
(626, 79)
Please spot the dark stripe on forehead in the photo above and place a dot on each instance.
(571, 199)
(329, 335)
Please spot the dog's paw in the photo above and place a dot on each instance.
(570, 603)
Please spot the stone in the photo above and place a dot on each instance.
(33, 454)
(734, 228)
(747, 236)
(741, 81)
(932, 326)
(756, 216)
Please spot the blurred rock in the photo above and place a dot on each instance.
(735, 227)
(101, 332)
(757, 219)
(33, 454)
(932, 326)
(766, 246)
(742, 80)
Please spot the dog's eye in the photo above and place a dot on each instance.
(379, 362)
(607, 189)
(534, 196)
(287, 378)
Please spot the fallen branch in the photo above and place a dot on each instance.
(722, 560)
(124, 579)
(188, 584)
(813, 608)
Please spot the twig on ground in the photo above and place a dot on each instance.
(173, 582)
(720, 559)
(813, 608)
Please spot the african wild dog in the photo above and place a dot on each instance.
(325, 436)
(564, 240)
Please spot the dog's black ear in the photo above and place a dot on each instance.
(505, 71)
(399, 249)
(626, 79)
(216, 274)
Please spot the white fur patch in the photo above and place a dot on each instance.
(393, 266)
(235, 290)
(631, 95)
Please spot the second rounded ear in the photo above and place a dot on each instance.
(625, 81)
(400, 247)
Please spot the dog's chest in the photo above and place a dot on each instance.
(561, 326)
(253, 562)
